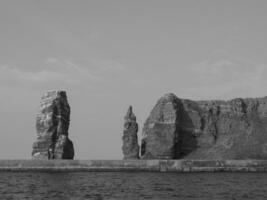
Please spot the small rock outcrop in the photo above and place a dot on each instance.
(181, 128)
(161, 129)
(130, 146)
(52, 126)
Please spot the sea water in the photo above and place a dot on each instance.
(131, 185)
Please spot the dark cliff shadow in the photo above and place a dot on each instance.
(187, 139)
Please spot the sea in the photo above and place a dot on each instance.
(132, 185)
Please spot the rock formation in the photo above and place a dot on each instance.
(161, 129)
(52, 126)
(180, 128)
(130, 146)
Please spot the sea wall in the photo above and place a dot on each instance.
(135, 165)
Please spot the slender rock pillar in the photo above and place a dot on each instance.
(130, 146)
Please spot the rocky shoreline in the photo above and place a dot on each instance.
(134, 165)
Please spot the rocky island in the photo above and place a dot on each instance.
(206, 130)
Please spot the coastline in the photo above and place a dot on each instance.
(135, 165)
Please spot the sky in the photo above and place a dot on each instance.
(111, 54)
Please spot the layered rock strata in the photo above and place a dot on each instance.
(52, 124)
(180, 128)
(161, 130)
(130, 146)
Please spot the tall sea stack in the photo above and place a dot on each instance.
(130, 146)
(52, 126)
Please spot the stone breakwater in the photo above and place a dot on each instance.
(135, 165)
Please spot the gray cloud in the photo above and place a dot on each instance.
(59, 73)
(227, 78)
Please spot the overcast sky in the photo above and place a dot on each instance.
(108, 55)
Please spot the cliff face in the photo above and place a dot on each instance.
(130, 146)
(235, 129)
(161, 129)
(52, 126)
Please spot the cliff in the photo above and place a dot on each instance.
(160, 132)
(52, 124)
(180, 128)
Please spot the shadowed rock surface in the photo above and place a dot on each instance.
(179, 128)
(52, 126)
(161, 129)
(130, 146)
